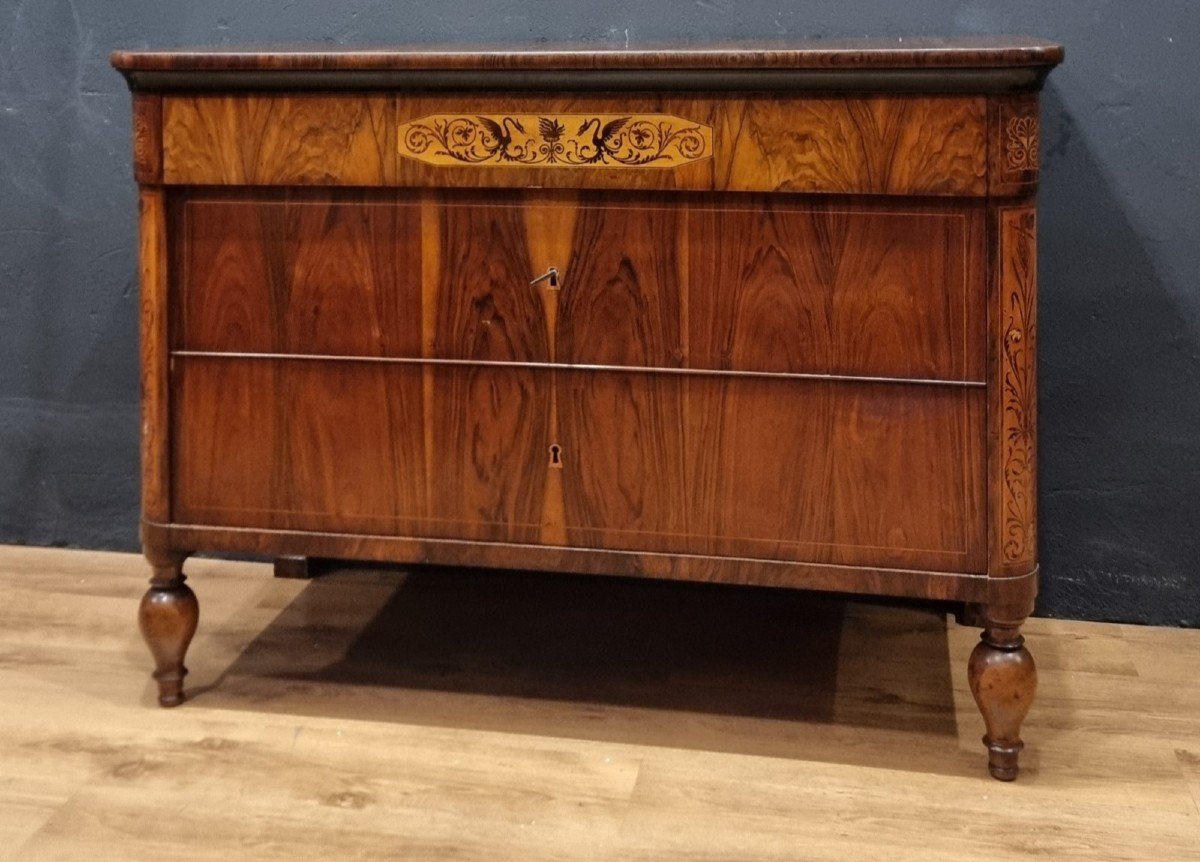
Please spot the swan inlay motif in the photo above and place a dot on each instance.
(597, 140)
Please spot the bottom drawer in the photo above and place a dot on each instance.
(856, 473)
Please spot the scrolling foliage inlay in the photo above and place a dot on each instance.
(1021, 143)
(561, 140)
(1018, 383)
(147, 138)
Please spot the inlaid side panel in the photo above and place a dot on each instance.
(154, 345)
(1014, 408)
(1014, 144)
(279, 140)
(318, 275)
(839, 289)
(147, 138)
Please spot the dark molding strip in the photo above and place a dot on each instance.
(937, 81)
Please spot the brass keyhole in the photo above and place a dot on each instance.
(556, 456)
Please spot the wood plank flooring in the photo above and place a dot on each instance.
(450, 714)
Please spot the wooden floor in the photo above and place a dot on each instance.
(447, 714)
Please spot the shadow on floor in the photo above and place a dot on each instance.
(687, 665)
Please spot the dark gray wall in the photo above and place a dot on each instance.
(1120, 310)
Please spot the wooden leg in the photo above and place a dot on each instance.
(167, 617)
(1003, 680)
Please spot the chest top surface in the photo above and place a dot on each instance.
(966, 64)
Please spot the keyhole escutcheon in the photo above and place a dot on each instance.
(556, 456)
(550, 276)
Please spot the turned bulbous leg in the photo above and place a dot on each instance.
(167, 617)
(1003, 680)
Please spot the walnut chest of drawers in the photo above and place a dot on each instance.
(763, 315)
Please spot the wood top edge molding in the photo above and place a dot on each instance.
(974, 52)
(988, 64)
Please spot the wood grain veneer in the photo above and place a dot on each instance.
(155, 353)
(775, 325)
(695, 464)
(758, 284)
(934, 145)
(281, 140)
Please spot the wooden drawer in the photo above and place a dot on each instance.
(757, 284)
(911, 145)
(278, 140)
(334, 275)
(793, 470)
(933, 145)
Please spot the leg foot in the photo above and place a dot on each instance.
(299, 568)
(167, 617)
(1003, 681)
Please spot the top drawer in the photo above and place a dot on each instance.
(748, 283)
(905, 145)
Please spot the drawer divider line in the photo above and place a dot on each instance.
(638, 369)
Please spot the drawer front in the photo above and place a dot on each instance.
(898, 145)
(279, 140)
(326, 276)
(847, 473)
(793, 470)
(703, 283)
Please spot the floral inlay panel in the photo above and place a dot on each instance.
(555, 140)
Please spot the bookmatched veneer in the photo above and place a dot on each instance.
(761, 315)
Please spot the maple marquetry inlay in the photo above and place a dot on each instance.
(556, 140)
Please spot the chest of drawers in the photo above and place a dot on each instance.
(762, 316)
